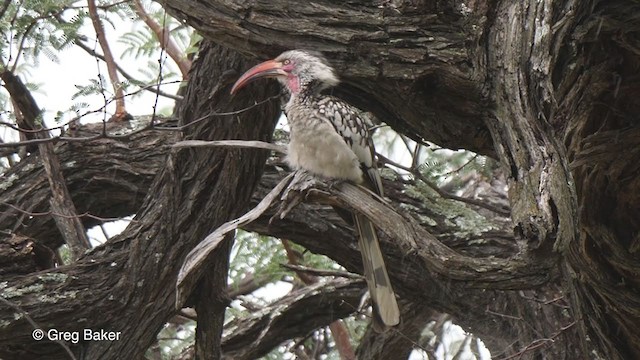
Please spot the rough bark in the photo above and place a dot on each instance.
(295, 315)
(211, 304)
(389, 345)
(22, 255)
(117, 191)
(405, 61)
(62, 207)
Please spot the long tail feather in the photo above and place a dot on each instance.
(385, 307)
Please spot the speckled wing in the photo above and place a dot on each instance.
(350, 123)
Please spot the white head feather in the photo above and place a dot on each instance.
(310, 66)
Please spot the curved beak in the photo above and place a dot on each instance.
(270, 68)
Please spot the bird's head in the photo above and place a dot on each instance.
(295, 69)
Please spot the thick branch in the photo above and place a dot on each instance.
(437, 258)
(107, 179)
(338, 330)
(130, 167)
(212, 302)
(401, 340)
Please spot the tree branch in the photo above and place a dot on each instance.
(299, 312)
(338, 331)
(211, 303)
(129, 273)
(165, 39)
(124, 73)
(415, 75)
(248, 144)
(409, 235)
(132, 165)
(61, 204)
(121, 111)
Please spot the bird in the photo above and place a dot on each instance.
(329, 138)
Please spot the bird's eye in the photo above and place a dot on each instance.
(286, 62)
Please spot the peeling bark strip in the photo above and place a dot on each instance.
(233, 143)
(131, 167)
(194, 263)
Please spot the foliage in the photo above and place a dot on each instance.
(37, 27)
(143, 43)
(33, 29)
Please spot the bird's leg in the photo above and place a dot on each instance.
(331, 183)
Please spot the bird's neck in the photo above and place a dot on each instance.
(308, 91)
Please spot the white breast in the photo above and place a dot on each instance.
(316, 147)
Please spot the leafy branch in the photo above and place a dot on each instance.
(166, 40)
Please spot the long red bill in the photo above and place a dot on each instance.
(270, 68)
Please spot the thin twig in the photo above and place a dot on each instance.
(164, 37)
(126, 75)
(415, 157)
(322, 272)
(406, 140)
(56, 139)
(21, 46)
(539, 342)
(51, 213)
(475, 156)
(160, 64)
(439, 191)
(254, 144)
(78, 117)
(506, 316)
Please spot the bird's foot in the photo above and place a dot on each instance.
(331, 183)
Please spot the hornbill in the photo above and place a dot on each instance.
(330, 138)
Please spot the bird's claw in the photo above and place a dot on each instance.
(332, 183)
